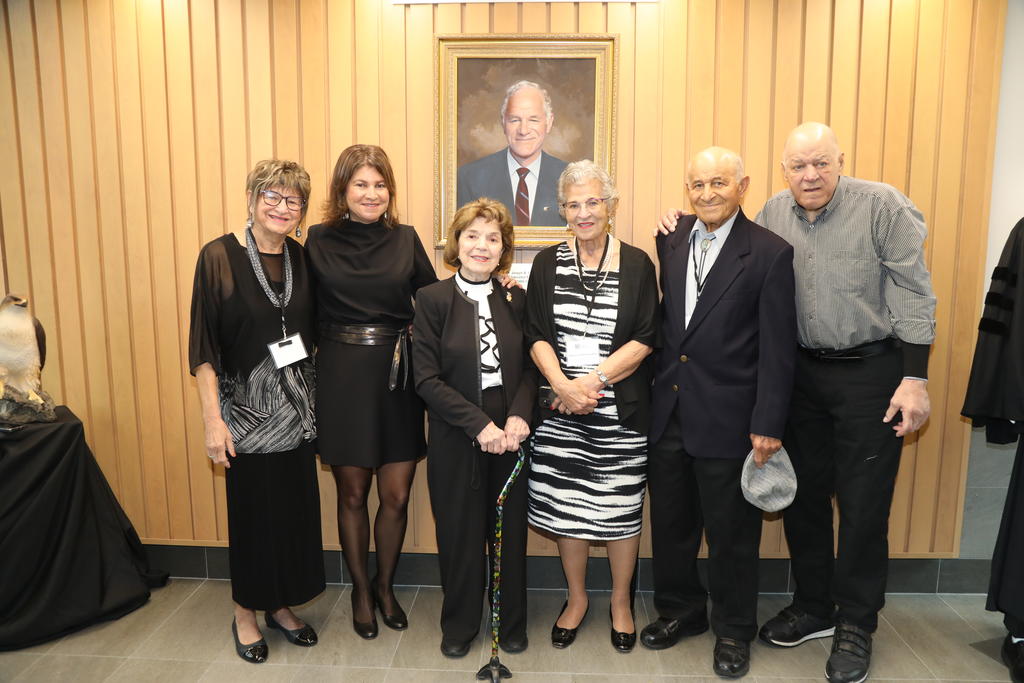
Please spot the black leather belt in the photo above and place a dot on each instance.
(875, 348)
(375, 335)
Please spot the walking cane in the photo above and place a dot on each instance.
(494, 670)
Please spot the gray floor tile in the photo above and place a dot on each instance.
(242, 672)
(158, 671)
(442, 676)
(199, 630)
(340, 646)
(940, 638)
(983, 508)
(989, 464)
(972, 609)
(73, 668)
(338, 674)
(123, 636)
(420, 643)
(13, 663)
(316, 612)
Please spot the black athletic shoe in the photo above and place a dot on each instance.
(851, 655)
(793, 626)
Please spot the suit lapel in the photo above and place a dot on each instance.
(675, 272)
(500, 178)
(728, 266)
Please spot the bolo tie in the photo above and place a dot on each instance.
(699, 278)
(494, 670)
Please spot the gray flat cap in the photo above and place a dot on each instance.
(771, 487)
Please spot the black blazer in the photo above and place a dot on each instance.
(446, 359)
(636, 319)
(729, 373)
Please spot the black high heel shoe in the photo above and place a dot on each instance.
(564, 637)
(622, 641)
(364, 629)
(254, 653)
(397, 621)
(304, 636)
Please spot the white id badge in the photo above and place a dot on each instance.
(583, 352)
(288, 350)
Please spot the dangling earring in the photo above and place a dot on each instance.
(298, 231)
(385, 215)
(248, 223)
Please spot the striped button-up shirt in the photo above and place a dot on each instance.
(860, 273)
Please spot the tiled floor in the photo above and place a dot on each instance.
(183, 634)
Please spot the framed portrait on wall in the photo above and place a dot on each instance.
(512, 111)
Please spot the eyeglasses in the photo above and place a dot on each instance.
(592, 204)
(271, 198)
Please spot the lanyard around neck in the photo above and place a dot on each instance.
(699, 277)
(278, 300)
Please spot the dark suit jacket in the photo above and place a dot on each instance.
(636, 319)
(446, 360)
(729, 373)
(489, 177)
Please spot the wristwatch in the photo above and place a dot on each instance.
(603, 377)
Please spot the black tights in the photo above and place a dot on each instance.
(393, 483)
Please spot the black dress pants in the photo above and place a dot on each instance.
(464, 487)
(839, 445)
(690, 495)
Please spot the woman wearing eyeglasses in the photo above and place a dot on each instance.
(592, 320)
(368, 267)
(250, 342)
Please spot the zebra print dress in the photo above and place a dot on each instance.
(587, 472)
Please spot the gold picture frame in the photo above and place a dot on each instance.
(471, 76)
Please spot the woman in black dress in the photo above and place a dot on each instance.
(253, 290)
(367, 268)
(473, 371)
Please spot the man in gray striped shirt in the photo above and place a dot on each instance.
(865, 322)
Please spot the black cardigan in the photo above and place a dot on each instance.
(636, 320)
(446, 355)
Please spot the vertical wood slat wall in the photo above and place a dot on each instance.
(130, 125)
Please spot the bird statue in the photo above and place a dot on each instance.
(22, 355)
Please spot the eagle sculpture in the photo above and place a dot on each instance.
(22, 355)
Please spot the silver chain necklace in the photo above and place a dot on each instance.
(278, 300)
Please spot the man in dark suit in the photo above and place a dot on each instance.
(522, 176)
(723, 381)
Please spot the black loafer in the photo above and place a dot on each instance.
(732, 658)
(1013, 658)
(254, 653)
(664, 632)
(563, 637)
(621, 641)
(303, 636)
(364, 629)
(454, 649)
(514, 646)
(398, 621)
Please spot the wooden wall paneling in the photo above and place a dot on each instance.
(817, 52)
(157, 136)
(874, 58)
(117, 338)
(563, 17)
(762, 161)
(504, 17)
(186, 198)
(899, 95)
(86, 254)
(136, 212)
(367, 59)
(232, 92)
(623, 18)
(730, 22)
(311, 88)
(671, 144)
(843, 96)
(944, 237)
(647, 89)
(286, 102)
(341, 77)
(533, 17)
(592, 17)
(700, 77)
(786, 84)
(14, 275)
(476, 18)
(259, 72)
(393, 110)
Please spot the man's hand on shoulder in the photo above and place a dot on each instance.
(910, 399)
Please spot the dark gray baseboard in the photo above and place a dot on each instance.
(417, 569)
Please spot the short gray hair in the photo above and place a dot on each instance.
(580, 172)
(519, 85)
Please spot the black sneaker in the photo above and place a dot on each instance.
(793, 626)
(851, 655)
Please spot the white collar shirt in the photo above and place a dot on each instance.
(697, 234)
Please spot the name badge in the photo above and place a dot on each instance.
(583, 352)
(288, 350)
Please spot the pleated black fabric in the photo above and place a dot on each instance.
(69, 557)
(275, 551)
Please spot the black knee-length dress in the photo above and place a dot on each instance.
(275, 548)
(366, 274)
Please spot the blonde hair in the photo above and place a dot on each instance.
(271, 173)
(491, 211)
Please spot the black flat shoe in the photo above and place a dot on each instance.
(364, 629)
(622, 641)
(254, 653)
(563, 637)
(454, 649)
(664, 632)
(397, 621)
(514, 646)
(1013, 658)
(732, 658)
(303, 636)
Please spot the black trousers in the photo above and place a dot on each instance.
(839, 445)
(464, 487)
(690, 495)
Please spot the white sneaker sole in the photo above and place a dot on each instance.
(859, 680)
(825, 633)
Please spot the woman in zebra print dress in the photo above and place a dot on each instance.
(252, 288)
(592, 320)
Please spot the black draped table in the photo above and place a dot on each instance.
(69, 556)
